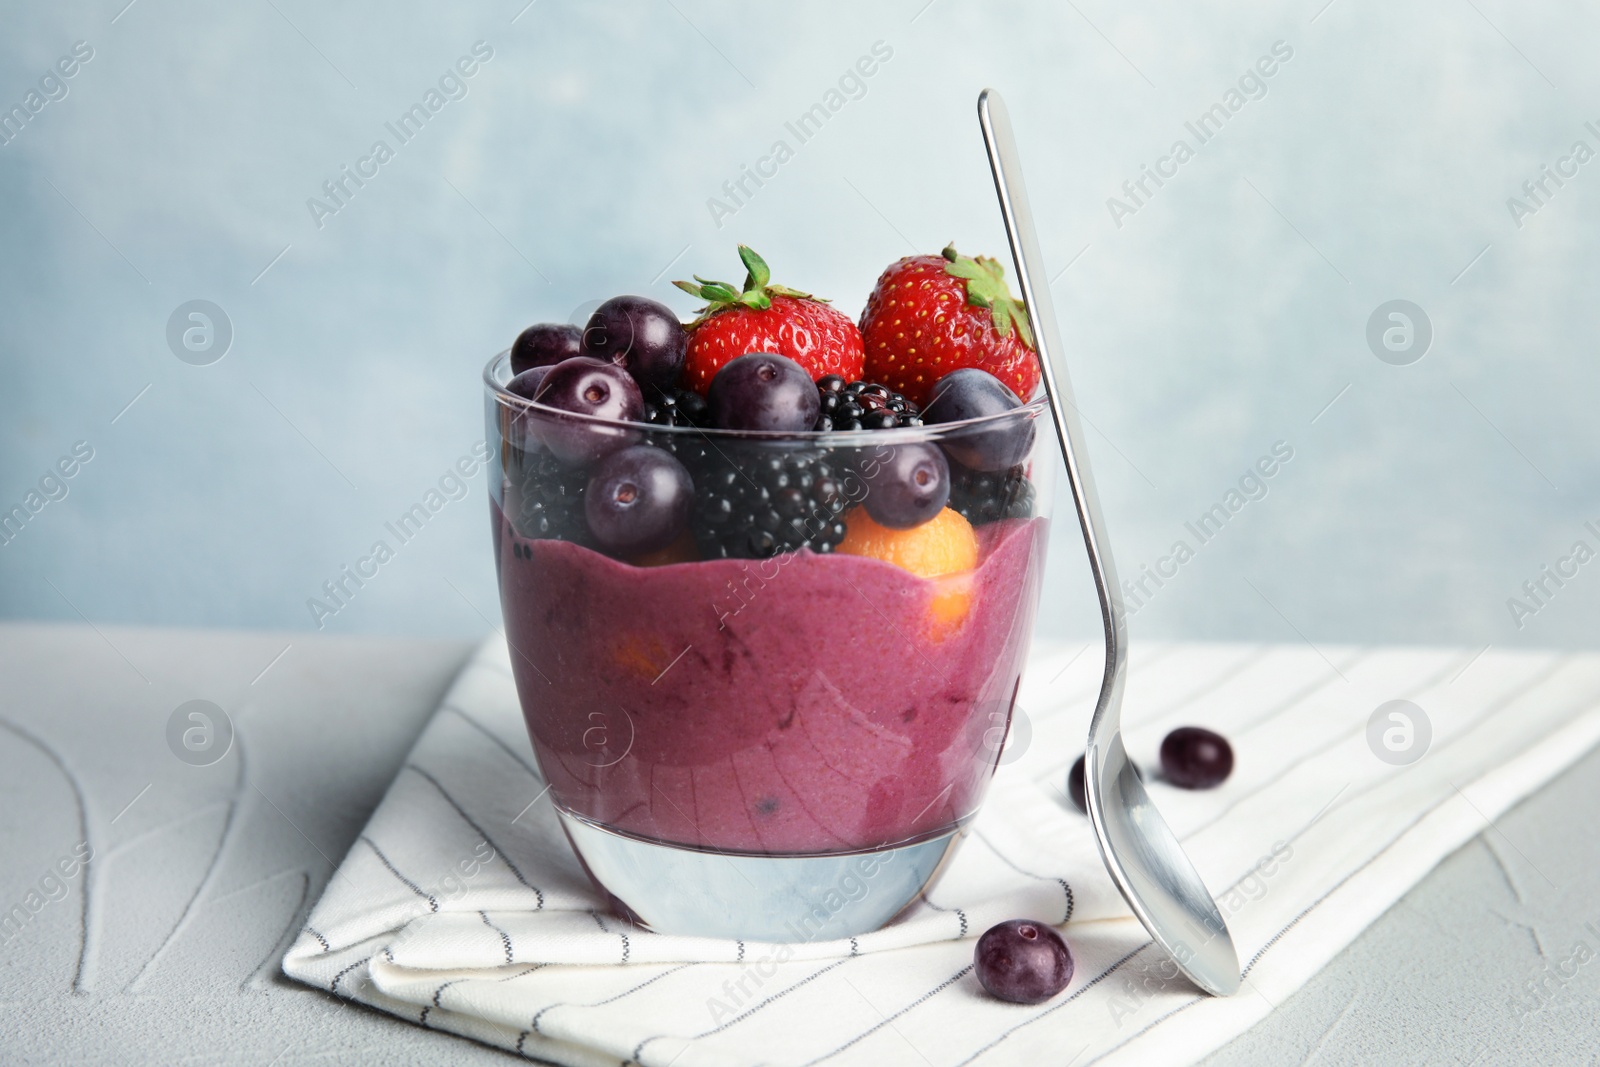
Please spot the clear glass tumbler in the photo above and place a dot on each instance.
(776, 732)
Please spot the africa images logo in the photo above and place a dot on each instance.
(53, 88)
(1251, 85)
(1399, 332)
(199, 332)
(1399, 732)
(852, 85)
(199, 733)
(452, 85)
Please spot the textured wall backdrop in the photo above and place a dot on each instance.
(1336, 156)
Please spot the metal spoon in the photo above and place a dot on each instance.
(1144, 858)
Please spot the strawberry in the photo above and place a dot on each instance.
(767, 318)
(930, 315)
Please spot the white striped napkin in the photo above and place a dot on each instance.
(461, 907)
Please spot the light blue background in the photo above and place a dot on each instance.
(1223, 316)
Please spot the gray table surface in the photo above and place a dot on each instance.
(203, 874)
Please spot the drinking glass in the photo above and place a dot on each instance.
(748, 739)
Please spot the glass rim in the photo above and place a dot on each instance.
(1030, 409)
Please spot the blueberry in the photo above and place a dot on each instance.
(638, 500)
(1075, 788)
(521, 431)
(1023, 962)
(587, 387)
(526, 383)
(544, 345)
(906, 484)
(970, 393)
(1075, 784)
(1196, 758)
(762, 391)
(642, 335)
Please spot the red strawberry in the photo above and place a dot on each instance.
(930, 315)
(767, 318)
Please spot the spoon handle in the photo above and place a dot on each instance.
(1035, 285)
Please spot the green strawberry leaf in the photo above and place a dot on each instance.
(970, 269)
(757, 292)
(986, 288)
(758, 273)
(784, 290)
(1002, 320)
(719, 292)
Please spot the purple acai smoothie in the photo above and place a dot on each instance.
(800, 704)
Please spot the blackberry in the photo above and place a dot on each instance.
(545, 499)
(862, 406)
(987, 496)
(675, 407)
(754, 502)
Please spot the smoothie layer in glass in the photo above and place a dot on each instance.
(799, 704)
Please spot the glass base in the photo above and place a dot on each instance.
(673, 889)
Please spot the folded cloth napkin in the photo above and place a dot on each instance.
(462, 908)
